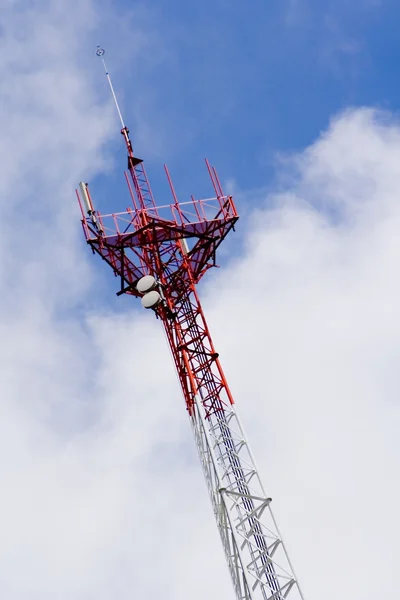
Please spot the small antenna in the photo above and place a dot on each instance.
(100, 52)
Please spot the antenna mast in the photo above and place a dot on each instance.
(100, 52)
(161, 260)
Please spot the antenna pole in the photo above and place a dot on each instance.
(100, 52)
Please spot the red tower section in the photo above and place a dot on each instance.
(176, 244)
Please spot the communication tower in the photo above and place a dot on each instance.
(160, 253)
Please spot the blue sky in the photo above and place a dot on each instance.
(241, 85)
(244, 87)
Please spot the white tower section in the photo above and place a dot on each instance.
(258, 562)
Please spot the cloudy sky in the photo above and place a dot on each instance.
(296, 102)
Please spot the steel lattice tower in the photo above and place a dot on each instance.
(160, 253)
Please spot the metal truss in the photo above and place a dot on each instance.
(256, 556)
(176, 244)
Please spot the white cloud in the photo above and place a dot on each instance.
(86, 459)
(308, 320)
(101, 491)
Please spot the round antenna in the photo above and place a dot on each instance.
(146, 284)
(151, 299)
